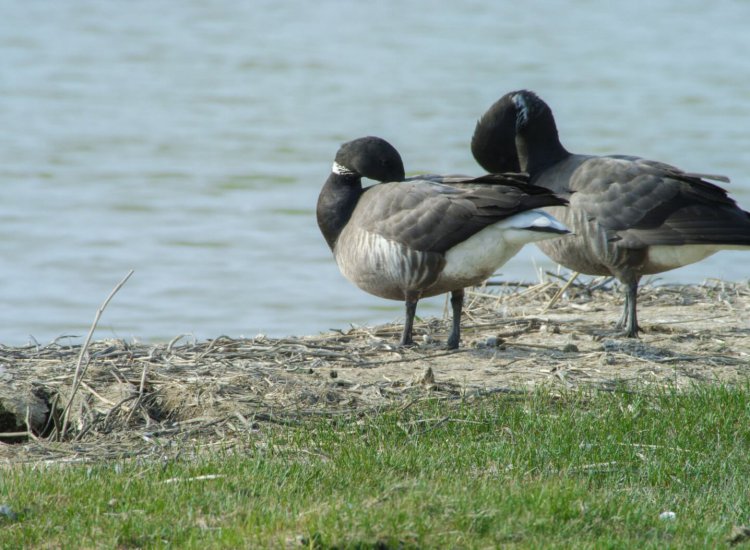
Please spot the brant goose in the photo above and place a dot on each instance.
(630, 216)
(405, 240)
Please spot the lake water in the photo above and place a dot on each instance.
(189, 140)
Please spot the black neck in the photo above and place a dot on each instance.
(336, 202)
(493, 144)
(539, 147)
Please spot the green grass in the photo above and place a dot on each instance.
(582, 470)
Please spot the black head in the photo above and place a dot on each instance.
(537, 142)
(531, 112)
(494, 141)
(370, 157)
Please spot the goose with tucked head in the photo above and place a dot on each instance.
(405, 240)
(630, 216)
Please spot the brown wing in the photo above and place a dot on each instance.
(643, 203)
(427, 216)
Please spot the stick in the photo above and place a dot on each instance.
(560, 292)
(5, 435)
(139, 403)
(80, 368)
(28, 424)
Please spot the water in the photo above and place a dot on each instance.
(189, 140)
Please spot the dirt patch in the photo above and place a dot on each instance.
(136, 399)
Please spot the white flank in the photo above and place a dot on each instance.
(535, 219)
(668, 257)
(475, 259)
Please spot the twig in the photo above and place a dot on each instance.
(28, 424)
(117, 405)
(415, 358)
(143, 381)
(174, 340)
(560, 292)
(444, 419)
(96, 394)
(691, 320)
(139, 402)
(52, 418)
(539, 287)
(80, 367)
(206, 477)
(601, 467)
(437, 424)
(596, 284)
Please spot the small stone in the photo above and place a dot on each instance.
(667, 515)
(6, 512)
(494, 342)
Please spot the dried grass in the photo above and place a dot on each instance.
(142, 399)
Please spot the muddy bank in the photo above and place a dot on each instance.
(135, 399)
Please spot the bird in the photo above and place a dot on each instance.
(630, 216)
(409, 239)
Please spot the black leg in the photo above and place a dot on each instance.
(411, 310)
(457, 303)
(631, 297)
(624, 318)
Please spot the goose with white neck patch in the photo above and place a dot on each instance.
(406, 240)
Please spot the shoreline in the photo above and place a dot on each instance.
(132, 395)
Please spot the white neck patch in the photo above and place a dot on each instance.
(340, 170)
